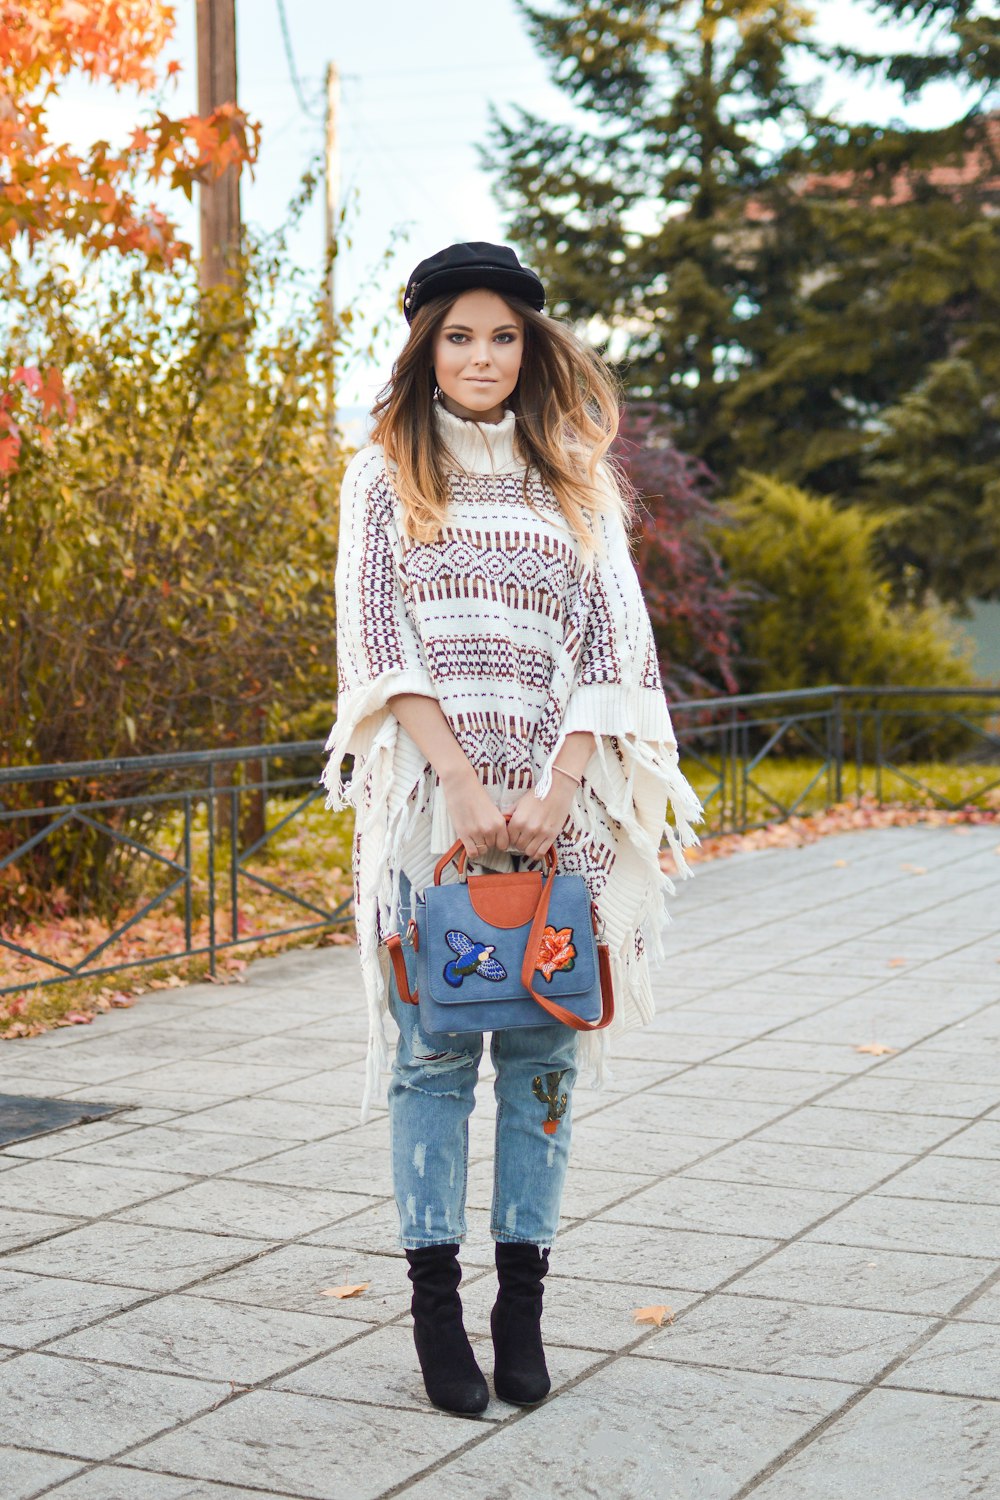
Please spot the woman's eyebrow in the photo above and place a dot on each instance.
(462, 328)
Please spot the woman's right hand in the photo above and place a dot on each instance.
(476, 820)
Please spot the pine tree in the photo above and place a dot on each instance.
(640, 221)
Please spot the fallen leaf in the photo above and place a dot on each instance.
(653, 1315)
(897, 963)
(346, 1291)
(77, 1018)
(914, 869)
(877, 1049)
(840, 864)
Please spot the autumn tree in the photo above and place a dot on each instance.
(97, 200)
(693, 606)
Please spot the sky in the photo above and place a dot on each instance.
(417, 85)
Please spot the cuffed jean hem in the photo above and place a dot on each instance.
(502, 1238)
(407, 1242)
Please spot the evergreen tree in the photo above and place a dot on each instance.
(779, 281)
(640, 221)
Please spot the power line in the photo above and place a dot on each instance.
(286, 37)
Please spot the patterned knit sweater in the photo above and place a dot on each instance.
(521, 642)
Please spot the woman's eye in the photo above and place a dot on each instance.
(456, 338)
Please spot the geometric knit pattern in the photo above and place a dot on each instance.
(522, 641)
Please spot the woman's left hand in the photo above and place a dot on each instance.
(535, 821)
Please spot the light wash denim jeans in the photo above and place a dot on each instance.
(432, 1095)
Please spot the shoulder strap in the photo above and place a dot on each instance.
(553, 1007)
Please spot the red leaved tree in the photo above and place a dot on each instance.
(691, 603)
(96, 199)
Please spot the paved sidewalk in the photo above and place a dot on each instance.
(823, 1221)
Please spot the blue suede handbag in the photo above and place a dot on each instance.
(496, 951)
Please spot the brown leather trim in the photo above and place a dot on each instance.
(394, 943)
(505, 900)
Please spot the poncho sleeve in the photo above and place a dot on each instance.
(379, 652)
(617, 694)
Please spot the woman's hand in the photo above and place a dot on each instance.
(477, 822)
(535, 821)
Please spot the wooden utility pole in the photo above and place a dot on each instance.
(332, 226)
(219, 199)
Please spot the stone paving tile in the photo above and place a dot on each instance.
(851, 1276)
(594, 1315)
(383, 1368)
(952, 1178)
(828, 1058)
(261, 1209)
(226, 1341)
(177, 1100)
(88, 1410)
(981, 1139)
(63, 1142)
(962, 1359)
(897, 1445)
(664, 1113)
(335, 1163)
(658, 1041)
(715, 1081)
(645, 1430)
(81, 1188)
(917, 1096)
(109, 1482)
(305, 1054)
(280, 1118)
(34, 1309)
(914, 1224)
(755, 1209)
(189, 1150)
(213, 1075)
(821, 1167)
(294, 1277)
(18, 1229)
(786, 1338)
(308, 1446)
(635, 1150)
(825, 1124)
(697, 1262)
(136, 1255)
(976, 1066)
(25, 1474)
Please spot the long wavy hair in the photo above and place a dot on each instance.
(566, 404)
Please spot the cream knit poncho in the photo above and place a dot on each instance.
(521, 643)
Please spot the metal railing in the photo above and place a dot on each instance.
(728, 738)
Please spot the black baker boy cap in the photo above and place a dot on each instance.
(475, 264)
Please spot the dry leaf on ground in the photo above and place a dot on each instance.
(840, 864)
(898, 963)
(877, 1049)
(346, 1291)
(655, 1315)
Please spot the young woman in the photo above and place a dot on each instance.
(498, 684)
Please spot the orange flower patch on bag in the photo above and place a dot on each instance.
(555, 951)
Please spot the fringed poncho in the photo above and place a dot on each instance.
(521, 642)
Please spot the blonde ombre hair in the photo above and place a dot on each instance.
(566, 405)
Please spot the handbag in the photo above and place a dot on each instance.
(495, 951)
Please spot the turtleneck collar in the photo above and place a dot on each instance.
(478, 447)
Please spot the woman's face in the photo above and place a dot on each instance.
(477, 356)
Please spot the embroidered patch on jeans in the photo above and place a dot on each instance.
(473, 958)
(551, 1096)
(555, 951)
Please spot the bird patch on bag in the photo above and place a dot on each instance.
(473, 958)
(555, 951)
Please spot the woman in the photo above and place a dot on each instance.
(498, 684)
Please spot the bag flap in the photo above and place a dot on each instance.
(471, 959)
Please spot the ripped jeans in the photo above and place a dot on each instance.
(432, 1095)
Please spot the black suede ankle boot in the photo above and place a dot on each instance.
(452, 1377)
(519, 1374)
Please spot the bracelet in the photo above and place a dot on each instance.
(577, 779)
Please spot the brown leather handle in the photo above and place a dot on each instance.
(553, 1007)
(458, 851)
